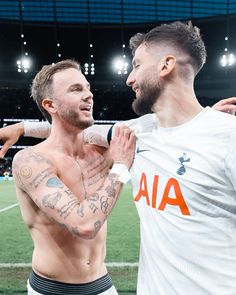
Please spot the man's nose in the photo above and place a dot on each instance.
(88, 95)
(130, 79)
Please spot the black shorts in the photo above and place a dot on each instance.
(49, 287)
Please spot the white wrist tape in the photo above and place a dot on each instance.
(122, 171)
(36, 129)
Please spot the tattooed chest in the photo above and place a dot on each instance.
(86, 177)
(94, 173)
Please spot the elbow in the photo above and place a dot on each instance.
(88, 232)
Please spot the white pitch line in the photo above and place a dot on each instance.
(109, 264)
(122, 264)
(9, 207)
(14, 265)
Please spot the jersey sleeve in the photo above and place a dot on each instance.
(102, 134)
(230, 160)
(142, 124)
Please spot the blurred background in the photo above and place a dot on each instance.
(97, 33)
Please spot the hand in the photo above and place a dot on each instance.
(10, 135)
(226, 105)
(122, 146)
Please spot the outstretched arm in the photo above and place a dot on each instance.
(226, 105)
(9, 135)
(36, 177)
(96, 134)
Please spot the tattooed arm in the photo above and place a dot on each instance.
(35, 175)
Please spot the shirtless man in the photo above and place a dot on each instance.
(65, 189)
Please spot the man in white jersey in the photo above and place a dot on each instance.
(183, 175)
(65, 189)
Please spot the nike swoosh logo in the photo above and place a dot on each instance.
(140, 150)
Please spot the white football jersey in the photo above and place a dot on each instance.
(184, 183)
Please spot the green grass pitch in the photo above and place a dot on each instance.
(16, 245)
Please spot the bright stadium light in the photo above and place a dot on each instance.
(23, 64)
(227, 60)
(120, 65)
(89, 68)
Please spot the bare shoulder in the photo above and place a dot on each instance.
(27, 163)
(21, 159)
(30, 156)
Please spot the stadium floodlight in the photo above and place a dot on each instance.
(23, 64)
(227, 60)
(120, 65)
(89, 68)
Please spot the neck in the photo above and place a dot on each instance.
(66, 138)
(176, 106)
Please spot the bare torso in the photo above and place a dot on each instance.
(57, 254)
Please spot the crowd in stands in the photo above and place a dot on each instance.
(110, 103)
(5, 167)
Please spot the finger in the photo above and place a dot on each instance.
(229, 100)
(127, 138)
(228, 108)
(131, 140)
(2, 154)
(4, 150)
(231, 107)
(123, 130)
(127, 132)
(117, 131)
(124, 127)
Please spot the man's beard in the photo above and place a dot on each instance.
(72, 117)
(149, 93)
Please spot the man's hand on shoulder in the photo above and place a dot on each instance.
(10, 135)
(226, 105)
(122, 146)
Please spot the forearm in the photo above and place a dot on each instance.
(19, 128)
(95, 209)
(36, 129)
(82, 218)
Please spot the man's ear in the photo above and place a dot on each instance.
(167, 65)
(48, 105)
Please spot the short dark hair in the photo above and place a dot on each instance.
(41, 85)
(183, 36)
